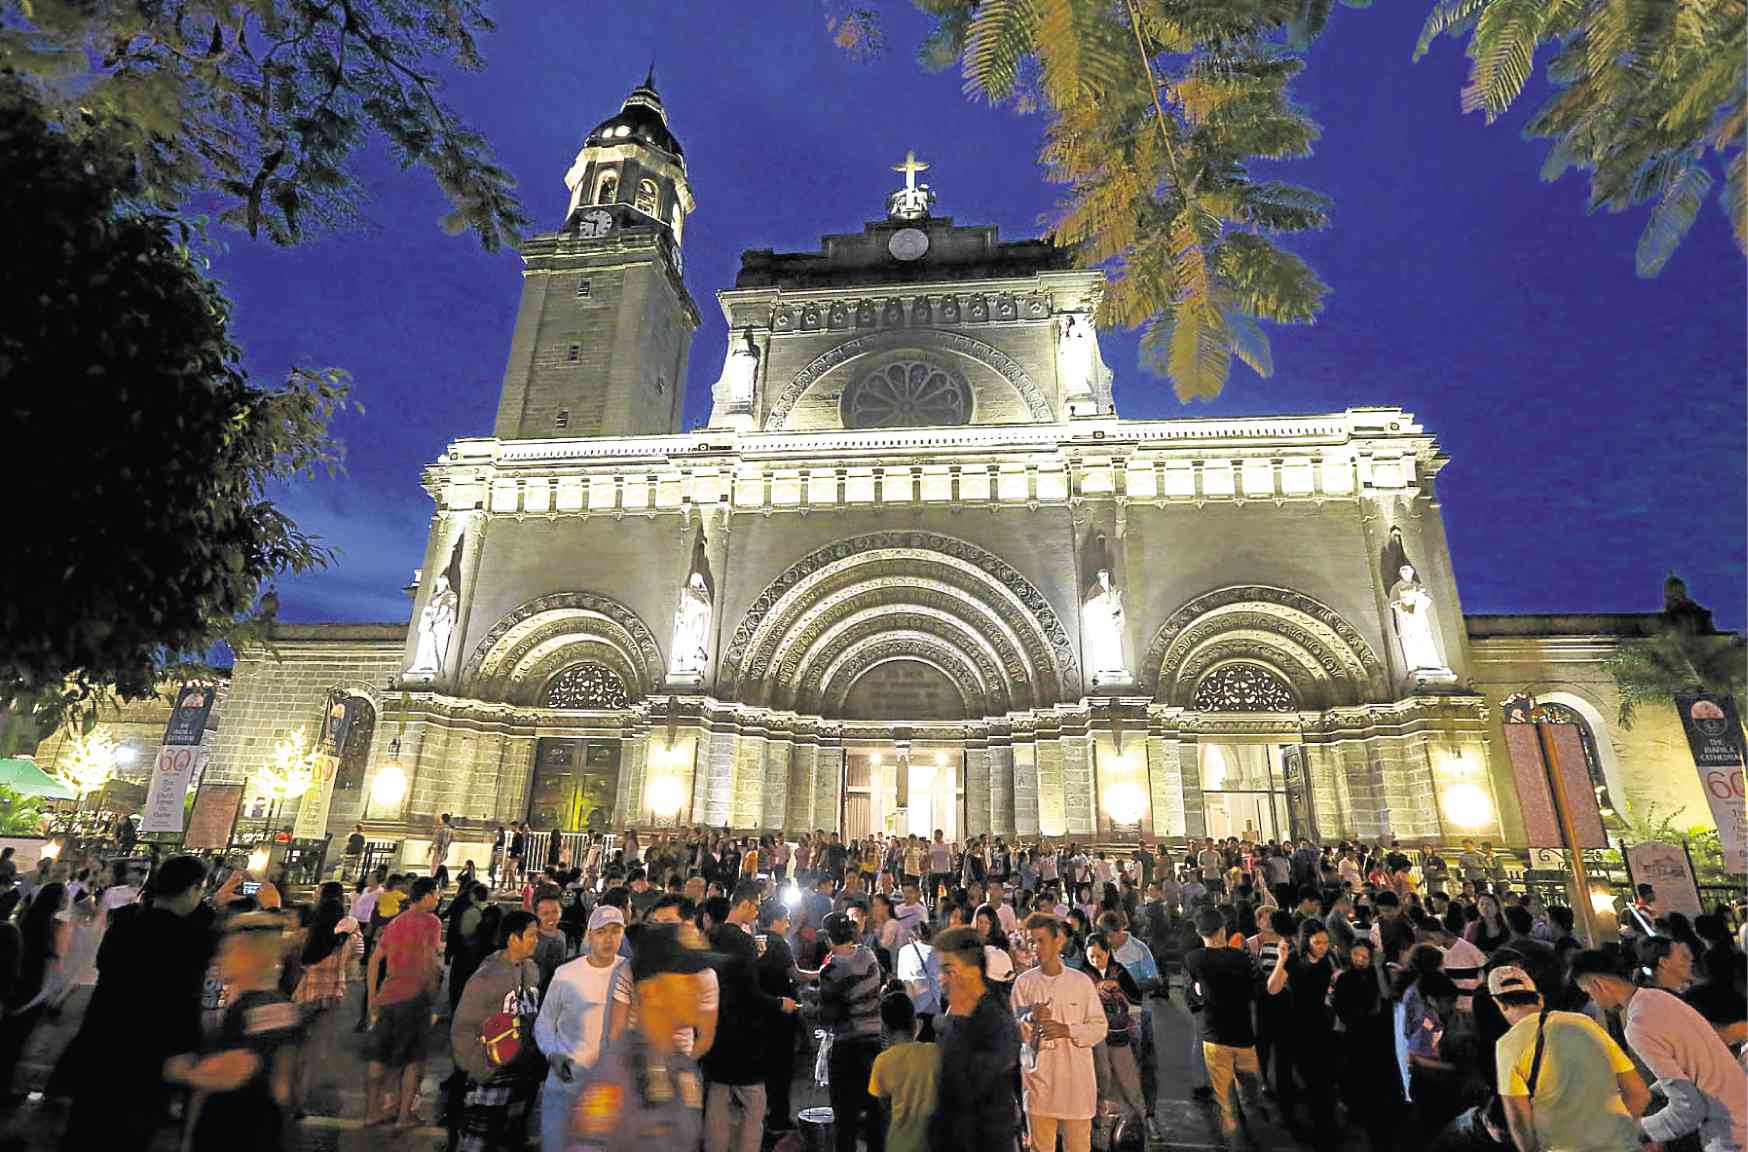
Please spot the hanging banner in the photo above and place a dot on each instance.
(1714, 734)
(1665, 868)
(187, 724)
(214, 815)
(337, 723)
(312, 814)
(171, 775)
(1541, 822)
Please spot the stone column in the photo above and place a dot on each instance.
(630, 806)
(1079, 791)
(1166, 782)
(748, 805)
(1025, 789)
(977, 821)
(777, 755)
(1409, 787)
(1001, 791)
(828, 785)
(1190, 767)
(713, 798)
(798, 810)
(1328, 790)
(1052, 805)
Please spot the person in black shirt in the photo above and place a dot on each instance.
(1306, 973)
(778, 977)
(244, 1082)
(1222, 981)
(975, 1102)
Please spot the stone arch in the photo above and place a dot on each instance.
(535, 641)
(927, 339)
(838, 611)
(1307, 644)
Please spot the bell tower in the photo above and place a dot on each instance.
(605, 323)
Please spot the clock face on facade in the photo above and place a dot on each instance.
(908, 243)
(595, 222)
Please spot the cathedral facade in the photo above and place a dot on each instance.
(916, 572)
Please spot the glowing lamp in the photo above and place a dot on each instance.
(1602, 901)
(666, 796)
(1467, 806)
(89, 763)
(51, 850)
(792, 893)
(389, 786)
(1125, 803)
(257, 861)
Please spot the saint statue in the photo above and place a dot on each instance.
(1411, 605)
(1077, 356)
(691, 647)
(740, 373)
(436, 625)
(1101, 619)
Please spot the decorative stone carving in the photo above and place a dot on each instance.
(950, 310)
(1005, 308)
(907, 394)
(919, 311)
(1101, 623)
(436, 626)
(1411, 608)
(523, 619)
(839, 316)
(991, 357)
(979, 308)
(1037, 305)
(1077, 355)
(782, 318)
(586, 686)
(1243, 687)
(809, 317)
(893, 315)
(735, 390)
(865, 314)
(750, 649)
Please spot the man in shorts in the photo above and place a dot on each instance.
(410, 951)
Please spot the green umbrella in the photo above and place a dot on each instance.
(26, 779)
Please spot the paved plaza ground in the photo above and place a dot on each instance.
(337, 1096)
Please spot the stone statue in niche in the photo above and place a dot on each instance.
(1411, 607)
(740, 373)
(436, 626)
(919, 310)
(1077, 356)
(1101, 622)
(691, 646)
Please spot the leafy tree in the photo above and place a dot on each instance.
(21, 815)
(149, 530)
(256, 107)
(1653, 670)
(1157, 109)
(1649, 97)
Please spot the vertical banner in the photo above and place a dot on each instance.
(312, 814)
(337, 724)
(175, 768)
(1541, 820)
(1714, 733)
(188, 718)
(214, 815)
(1665, 868)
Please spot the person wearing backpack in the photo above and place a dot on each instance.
(1566, 1084)
(1115, 1058)
(490, 1042)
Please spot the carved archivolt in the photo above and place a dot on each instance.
(1309, 645)
(935, 339)
(981, 692)
(534, 641)
(969, 599)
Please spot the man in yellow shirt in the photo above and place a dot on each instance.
(1566, 1085)
(904, 1076)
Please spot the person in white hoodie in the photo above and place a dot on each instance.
(1061, 1022)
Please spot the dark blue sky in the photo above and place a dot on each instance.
(1594, 421)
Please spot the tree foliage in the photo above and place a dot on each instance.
(147, 525)
(1653, 670)
(1649, 96)
(1157, 111)
(253, 109)
(21, 815)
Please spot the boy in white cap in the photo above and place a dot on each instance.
(586, 1006)
(1565, 1083)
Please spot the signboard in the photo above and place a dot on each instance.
(215, 814)
(337, 723)
(1665, 868)
(1541, 823)
(1714, 733)
(312, 814)
(188, 718)
(171, 775)
(121, 796)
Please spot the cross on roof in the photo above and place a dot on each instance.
(910, 168)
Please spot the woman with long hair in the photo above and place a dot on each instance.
(1307, 973)
(1114, 1063)
(332, 944)
(1488, 931)
(44, 934)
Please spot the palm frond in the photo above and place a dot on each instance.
(1448, 17)
(999, 37)
(1670, 219)
(1735, 198)
(1504, 52)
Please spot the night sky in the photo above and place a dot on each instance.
(1594, 421)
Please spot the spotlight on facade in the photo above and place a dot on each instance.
(389, 786)
(1602, 902)
(1467, 806)
(666, 796)
(1125, 803)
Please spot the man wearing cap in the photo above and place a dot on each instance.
(586, 1006)
(1566, 1085)
(647, 1093)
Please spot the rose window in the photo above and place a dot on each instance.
(1243, 688)
(585, 686)
(907, 394)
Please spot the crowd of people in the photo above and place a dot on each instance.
(667, 993)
